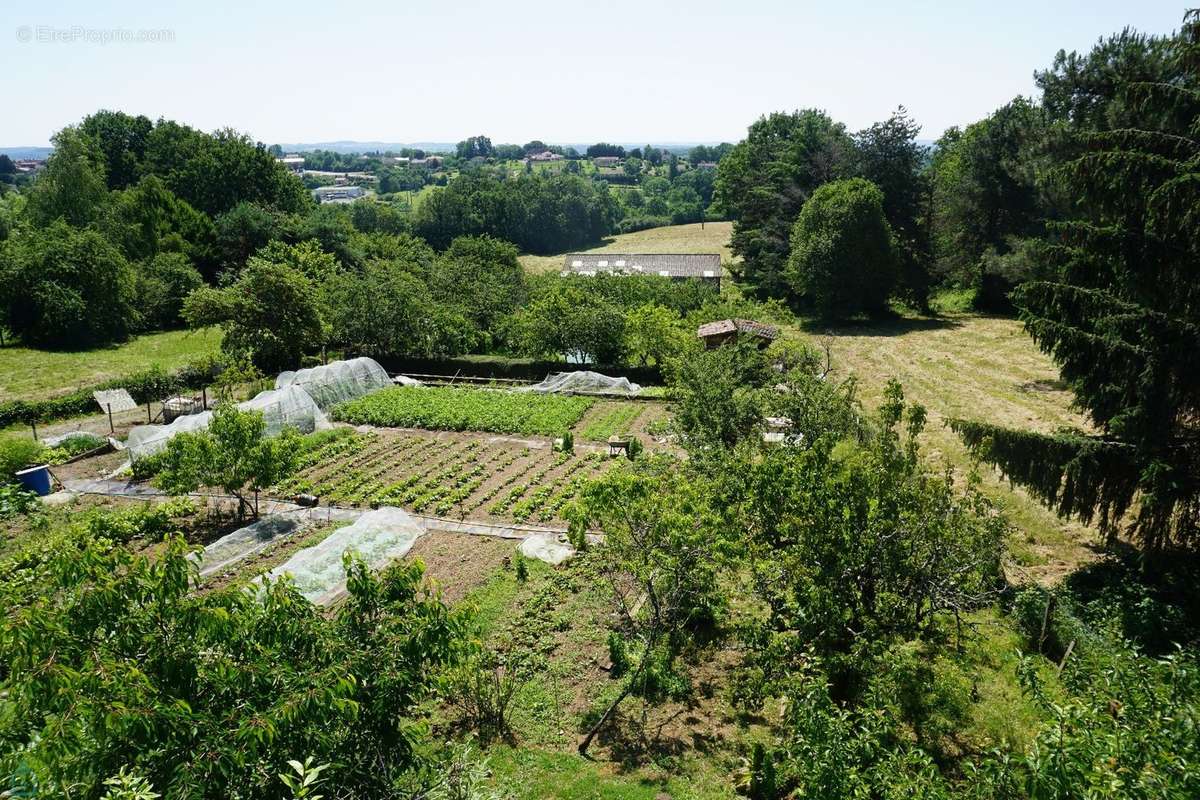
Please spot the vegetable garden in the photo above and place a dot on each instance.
(443, 475)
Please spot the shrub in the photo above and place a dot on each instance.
(16, 453)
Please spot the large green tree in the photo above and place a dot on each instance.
(843, 260)
(481, 275)
(1120, 316)
(767, 177)
(67, 288)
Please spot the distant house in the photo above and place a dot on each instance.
(429, 162)
(545, 155)
(338, 194)
(707, 165)
(715, 334)
(676, 266)
(28, 165)
(293, 163)
(606, 161)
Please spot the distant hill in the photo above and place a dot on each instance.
(26, 152)
(350, 146)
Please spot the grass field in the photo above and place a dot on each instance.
(712, 238)
(26, 373)
(977, 367)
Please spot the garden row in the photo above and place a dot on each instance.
(453, 409)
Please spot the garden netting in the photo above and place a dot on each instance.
(378, 537)
(281, 408)
(583, 382)
(337, 382)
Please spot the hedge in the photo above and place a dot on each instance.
(151, 384)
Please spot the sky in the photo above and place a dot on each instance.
(653, 72)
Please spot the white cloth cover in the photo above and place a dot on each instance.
(549, 547)
(337, 382)
(584, 382)
(281, 408)
(379, 537)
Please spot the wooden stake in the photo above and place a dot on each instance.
(111, 429)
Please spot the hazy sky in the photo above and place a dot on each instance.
(305, 71)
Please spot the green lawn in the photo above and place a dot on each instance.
(27, 374)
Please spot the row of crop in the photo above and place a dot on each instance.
(335, 480)
(547, 500)
(362, 486)
(619, 419)
(466, 410)
(517, 492)
(406, 490)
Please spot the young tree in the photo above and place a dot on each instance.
(163, 282)
(659, 556)
(718, 395)
(231, 454)
(653, 334)
(842, 260)
(270, 313)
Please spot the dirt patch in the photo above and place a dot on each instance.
(457, 562)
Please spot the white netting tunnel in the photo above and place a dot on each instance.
(378, 537)
(584, 382)
(281, 408)
(335, 383)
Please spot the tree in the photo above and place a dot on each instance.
(661, 543)
(71, 187)
(241, 232)
(1119, 316)
(842, 260)
(121, 139)
(568, 321)
(474, 147)
(163, 282)
(718, 395)
(481, 275)
(232, 454)
(767, 177)
(888, 155)
(387, 310)
(653, 333)
(984, 190)
(270, 314)
(148, 218)
(603, 149)
(66, 287)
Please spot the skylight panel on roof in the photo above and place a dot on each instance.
(664, 273)
(577, 263)
(708, 273)
(620, 262)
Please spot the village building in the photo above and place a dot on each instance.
(676, 266)
(293, 163)
(725, 331)
(338, 194)
(606, 161)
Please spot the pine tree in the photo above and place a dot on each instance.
(1120, 318)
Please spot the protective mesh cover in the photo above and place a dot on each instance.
(337, 382)
(584, 382)
(551, 548)
(378, 537)
(281, 408)
(245, 542)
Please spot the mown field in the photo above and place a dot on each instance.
(713, 237)
(32, 374)
(978, 367)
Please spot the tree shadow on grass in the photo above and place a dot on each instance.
(883, 326)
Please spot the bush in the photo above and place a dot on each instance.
(16, 453)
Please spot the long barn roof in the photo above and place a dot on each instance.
(670, 265)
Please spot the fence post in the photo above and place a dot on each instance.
(111, 429)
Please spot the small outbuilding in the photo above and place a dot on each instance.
(715, 334)
(705, 267)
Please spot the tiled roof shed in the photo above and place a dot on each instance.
(716, 333)
(702, 266)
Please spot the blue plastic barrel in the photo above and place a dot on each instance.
(36, 479)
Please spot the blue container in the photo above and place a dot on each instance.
(36, 479)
